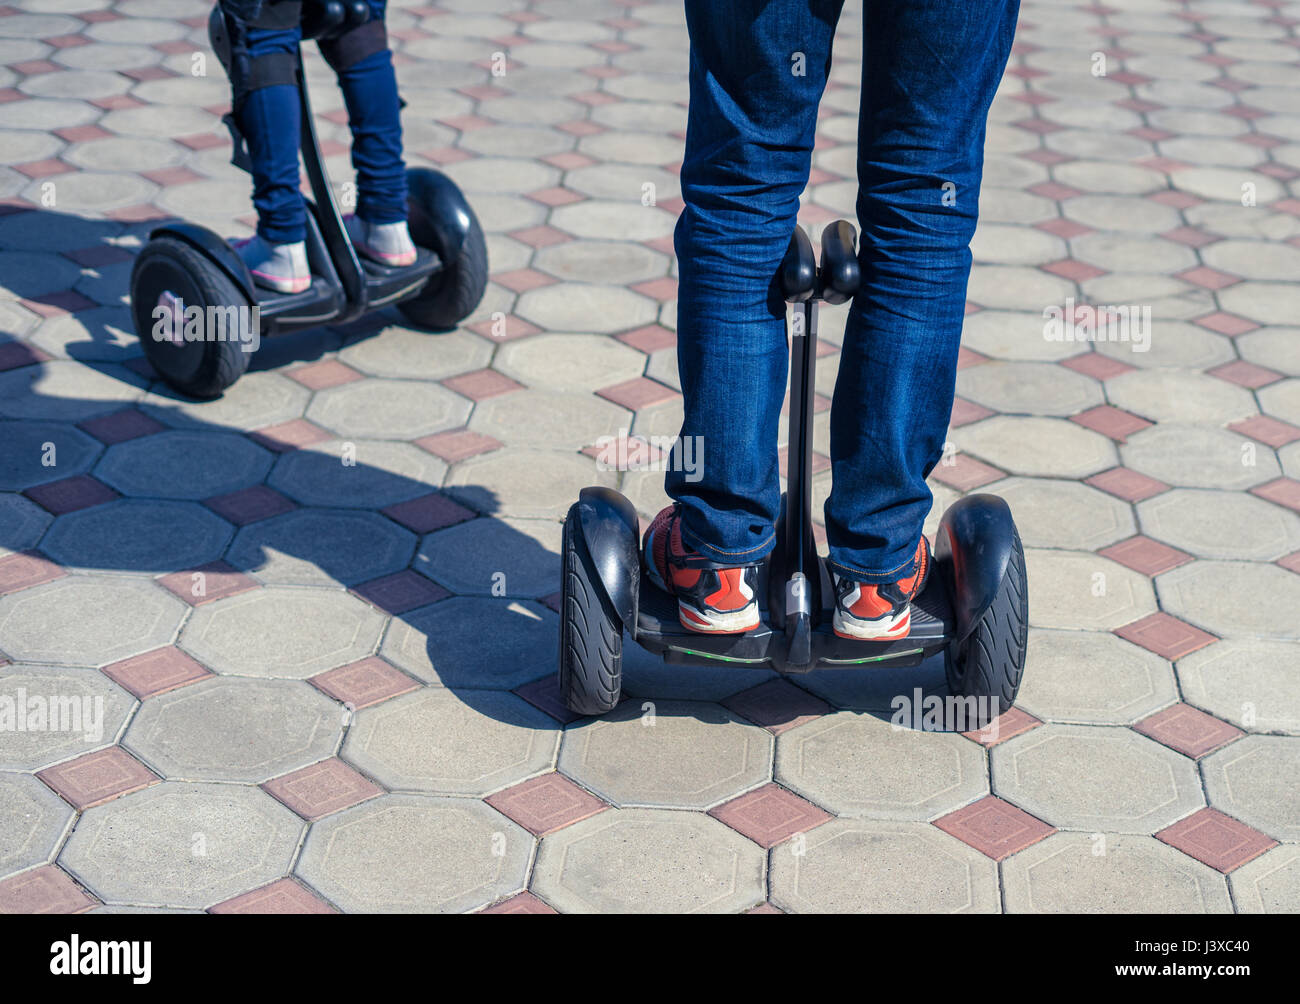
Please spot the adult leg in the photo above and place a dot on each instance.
(930, 69)
(757, 72)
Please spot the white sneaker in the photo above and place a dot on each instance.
(281, 267)
(386, 243)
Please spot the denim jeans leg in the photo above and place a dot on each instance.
(930, 70)
(374, 117)
(270, 121)
(757, 72)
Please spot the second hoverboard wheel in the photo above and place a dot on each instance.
(989, 663)
(453, 293)
(590, 664)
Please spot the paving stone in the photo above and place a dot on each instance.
(526, 483)
(1245, 681)
(889, 866)
(66, 391)
(1257, 780)
(43, 890)
(321, 547)
(98, 777)
(155, 672)
(1038, 447)
(1198, 456)
(652, 754)
(546, 803)
(1108, 780)
(548, 419)
(579, 307)
(614, 262)
(115, 618)
(684, 863)
(32, 821)
(1175, 396)
(1281, 400)
(860, 766)
(1271, 347)
(1089, 592)
(1261, 302)
(1233, 598)
(1121, 683)
(1270, 883)
(377, 474)
(1110, 873)
(388, 409)
(494, 557)
(183, 465)
(1066, 514)
(137, 535)
(182, 845)
(569, 362)
(1029, 388)
(445, 742)
(282, 632)
(315, 791)
(280, 897)
(416, 854)
(225, 729)
(24, 522)
(257, 400)
(475, 642)
(1212, 524)
(400, 353)
(1191, 732)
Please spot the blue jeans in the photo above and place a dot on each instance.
(757, 72)
(269, 119)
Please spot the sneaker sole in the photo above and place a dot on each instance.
(881, 629)
(280, 285)
(715, 622)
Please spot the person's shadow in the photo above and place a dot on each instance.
(103, 467)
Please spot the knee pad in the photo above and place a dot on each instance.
(353, 44)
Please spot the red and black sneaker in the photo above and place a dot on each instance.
(880, 610)
(710, 599)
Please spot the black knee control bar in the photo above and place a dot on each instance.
(352, 45)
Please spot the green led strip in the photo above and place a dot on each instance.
(829, 662)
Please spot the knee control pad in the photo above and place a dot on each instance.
(353, 44)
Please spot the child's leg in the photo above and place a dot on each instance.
(267, 110)
(930, 69)
(758, 69)
(364, 65)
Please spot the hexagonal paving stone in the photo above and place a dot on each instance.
(360, 474)
(1097, 779)
(32, 819)
(281, 631)
(1042, 447)
(39, 452)
(527, 483)
(1248, 682)
(76, 711)
(859, 866)
(552, 420)
(1257, 780)
(235, 730)
(446, 742)
(1087, 591)
(861, 766)
(1171, 343)
(321, 547)
(1054, 513)
(1282, 400)
(388, 409)
(617, 262)
(1234, 598)
(1005, 334)
(1198, 522)
(569, 362)
(572, 306)
(416, 854)
(182, 845)
(23, 523)
(255, 401)
(1198, 456)
(1270, 883)
(184, 465)
(649, 861)
(1271, 347)
(138, 535)
(417, 355)
(1110, 873)
(1179, 396)
(115, 618)
(1093, 678)
(472, 642)
(672, 754)
(1029, 388)
(494, 557)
